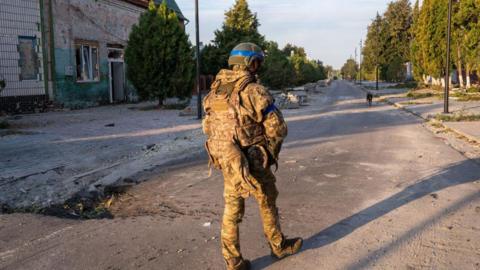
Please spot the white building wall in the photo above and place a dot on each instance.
(19, 18)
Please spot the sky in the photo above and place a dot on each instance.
(329, 30)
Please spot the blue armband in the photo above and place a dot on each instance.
(269, 109)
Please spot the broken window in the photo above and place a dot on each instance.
(86, 55)
(29, 64)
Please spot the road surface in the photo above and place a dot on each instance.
(367, 188)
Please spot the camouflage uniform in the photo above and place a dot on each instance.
(245, 133)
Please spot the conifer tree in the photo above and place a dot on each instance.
(373, 48)
(398, 19)
(159, 55)
(388, 42)
(240, 25)
(434, 18)
(416, 49)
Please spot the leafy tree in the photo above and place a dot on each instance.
(306, 70)
(159, 55)
(299, 51)
(240, 25)
(349, 69)
(329, 71)
(277, 71)
(388, 42)
(467, 35)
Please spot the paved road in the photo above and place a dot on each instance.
(368, 188)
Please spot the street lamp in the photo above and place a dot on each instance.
(199, 94)
(447, 68)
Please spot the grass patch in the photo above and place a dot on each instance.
(408, 85)
(418, 95)
(415, 103)
(459, 117)
(469, 96)
(473, 90)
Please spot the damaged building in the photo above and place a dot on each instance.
(69, 53)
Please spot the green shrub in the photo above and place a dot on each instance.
(159, 55)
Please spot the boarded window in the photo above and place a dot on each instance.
(29, 65)
(86, 56)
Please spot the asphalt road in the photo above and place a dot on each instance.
(367, 187)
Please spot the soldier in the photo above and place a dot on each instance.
(245, 134)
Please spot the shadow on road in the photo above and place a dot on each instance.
(458, 173)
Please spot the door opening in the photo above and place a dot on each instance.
(116, 68)
(118, 82)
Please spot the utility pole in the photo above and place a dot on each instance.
(199, 94)
(447, 67)
(355, 78)
(377, 50)
(361, 44)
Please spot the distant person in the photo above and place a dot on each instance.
(245, 134)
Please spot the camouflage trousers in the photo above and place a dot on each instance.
(265, 194)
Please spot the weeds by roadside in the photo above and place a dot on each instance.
(412, 102)
(458, 117)
(407, 85)
(473, 90)
(418, 95)
(467, 96)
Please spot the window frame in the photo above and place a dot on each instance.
(94, 70)
(36, 58)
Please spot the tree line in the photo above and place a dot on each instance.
(417, 35)
(283, 67)
(161, 60)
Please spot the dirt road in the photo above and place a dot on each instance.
(368, 188)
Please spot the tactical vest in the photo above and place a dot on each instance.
(228, 129)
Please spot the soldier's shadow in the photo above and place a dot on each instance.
(456, 174)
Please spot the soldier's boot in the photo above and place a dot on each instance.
(289, 247)
(237, 264)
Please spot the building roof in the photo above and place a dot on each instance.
(170, 3)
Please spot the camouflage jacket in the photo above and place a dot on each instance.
(241, 112)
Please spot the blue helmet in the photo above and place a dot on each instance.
(245, 53)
